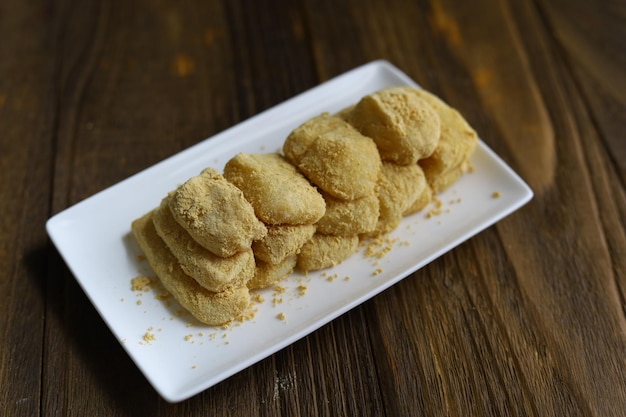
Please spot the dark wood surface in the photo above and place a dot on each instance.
(527, 318)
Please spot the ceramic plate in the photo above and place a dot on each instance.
(181, 357)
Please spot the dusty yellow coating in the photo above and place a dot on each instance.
(334, 156)
(398, 187)
(267, 274)
(213, 308)
(213, 272)
(423, 199)
(404, 127)
(349, 217)
(324, 251)
(457, 142)
(216, 214)
(277, 191)
(282, 241)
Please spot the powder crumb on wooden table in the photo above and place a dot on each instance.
(140, 283)
(281, 316)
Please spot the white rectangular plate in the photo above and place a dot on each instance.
(93, 237)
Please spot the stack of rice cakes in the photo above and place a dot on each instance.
(343, 178)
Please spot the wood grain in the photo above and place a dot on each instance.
(528, 318)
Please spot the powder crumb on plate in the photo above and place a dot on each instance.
(377, 272)
(140, 283)
(149, 337)
(258, 298)
(496, 194)
(331, 278)
(302, 289)
(281, 316)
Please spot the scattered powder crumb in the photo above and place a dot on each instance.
(138, 302)
(248, 314)
(496, 194)
(189, 337)
(281, 316)
(279, 289)
(140, 283)
(200, 334)
(380, 246)
(149, 337)
(258, 298)
(302, 289)
(212, 336)
(277, 300)
(122, 299)
(347, 278)
(437, 210)
(193, 367)
(331, 278)
(377, 272)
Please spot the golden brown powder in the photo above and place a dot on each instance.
(302, 289)
(140, 283)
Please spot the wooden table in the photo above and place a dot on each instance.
(527, 318)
